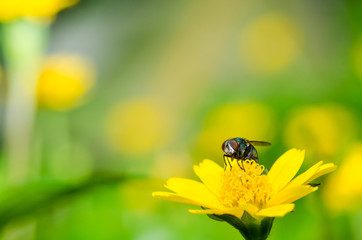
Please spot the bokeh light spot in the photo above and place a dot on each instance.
(136, 196)
(64, 80)
(343, 190)
(138, 126)
(323, 130)
(168, 164)
(270, 44)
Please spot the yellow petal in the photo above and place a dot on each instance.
(285, 168)
(324, 169)
(173, 197)
(289, 195)
(210, 174)
(251, 209)
(276, 211)
(238, 212)
(194, 191)
(303, 178)
(209, 211)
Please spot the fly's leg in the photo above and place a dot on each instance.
(242, 163)
(237, 161)
(231, 167)
(225, 156)
(256, 159)
(224, 162)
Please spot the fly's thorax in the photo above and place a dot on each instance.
(243, 145)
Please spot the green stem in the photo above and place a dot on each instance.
(23, 46)
(250, 228)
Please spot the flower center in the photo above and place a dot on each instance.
(240, 187)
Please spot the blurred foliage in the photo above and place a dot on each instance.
(40, 197)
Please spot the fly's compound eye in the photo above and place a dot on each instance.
(223, 146)
(234, 144)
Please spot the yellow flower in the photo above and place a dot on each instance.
(12, 9)
(135, 196)
(235, 191)
(168, 164)
(343, 190)
(270, 44)
(64, 80)
(134, 135)
(323, 129)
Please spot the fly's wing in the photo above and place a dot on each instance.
(260, 143)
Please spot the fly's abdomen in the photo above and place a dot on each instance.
(254, 154)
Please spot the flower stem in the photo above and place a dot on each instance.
(249, 227)
(23, 46)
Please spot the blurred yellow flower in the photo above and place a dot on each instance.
(64, 80)
(270, 44)
(135, 195)
(253, 121)
(343, 190)
(12, 9)
(321, 129)
(236, 191)
(138, 126)
(168, 164)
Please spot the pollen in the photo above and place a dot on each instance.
(249, 186)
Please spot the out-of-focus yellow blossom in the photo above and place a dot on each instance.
(321, 129)
(167, 165)
(234, 191)
(138, 126)
(270, 44)
(357, 57)
(64, 80)
(253, 121)
(343, 190)
(12, 9)
(135, 195)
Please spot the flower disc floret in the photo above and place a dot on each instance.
(241, 187)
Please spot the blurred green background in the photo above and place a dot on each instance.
(104, 101)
